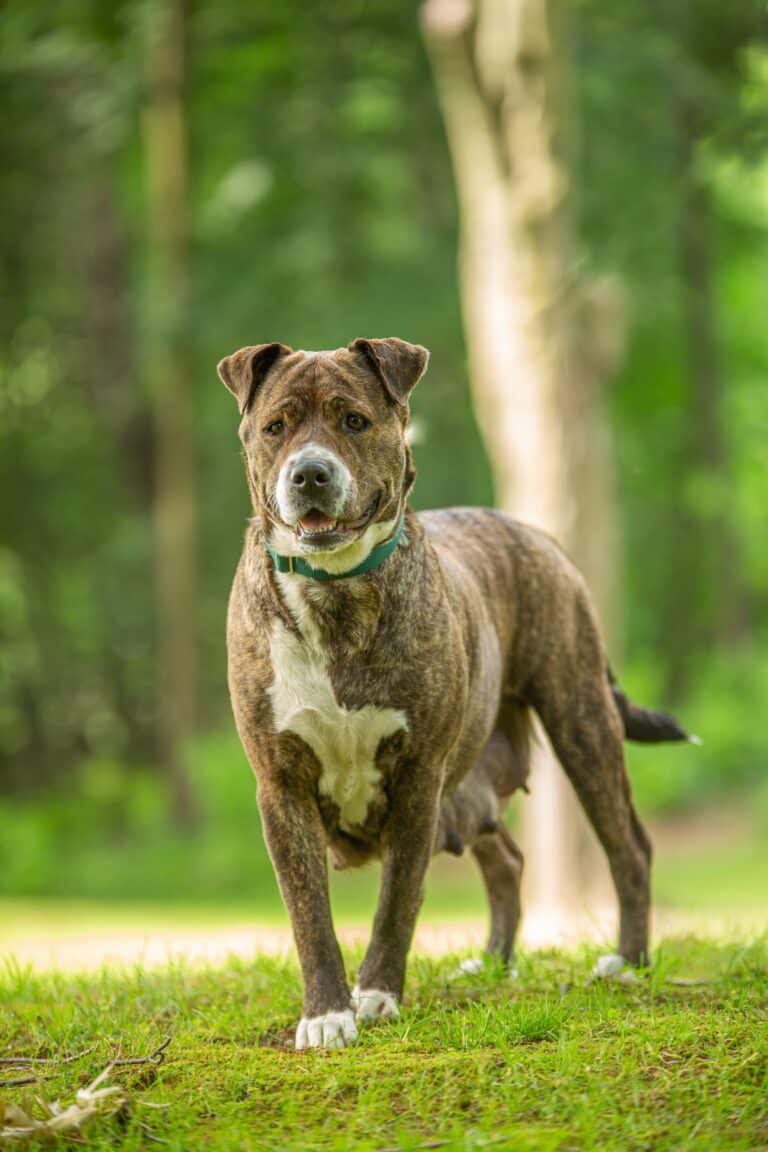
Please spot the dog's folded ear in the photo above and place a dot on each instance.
(398, 364)
(245, 370)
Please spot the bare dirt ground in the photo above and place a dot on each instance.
(151, 948)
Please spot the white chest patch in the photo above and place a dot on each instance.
(344, 740)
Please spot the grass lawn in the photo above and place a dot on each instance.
(678, 1061)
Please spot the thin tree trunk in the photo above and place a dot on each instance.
(169, 374)
(108, 374)
(109, 370)
(537, 349)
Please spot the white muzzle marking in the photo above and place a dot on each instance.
(343, 483)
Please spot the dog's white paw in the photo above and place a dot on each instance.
(614, 967)
(475, 965)
(373, 1004)
(334, 1030)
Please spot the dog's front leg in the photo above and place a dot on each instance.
(410, 836)
(296, 843)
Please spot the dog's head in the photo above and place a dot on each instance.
(324, 439)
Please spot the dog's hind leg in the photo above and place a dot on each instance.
(501, 769)
(587, 735)
(501, 863)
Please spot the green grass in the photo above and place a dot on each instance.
(544, 1063)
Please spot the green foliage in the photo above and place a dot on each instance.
(471, 1064)
(323, 208)
(104, 834)
(723, 710)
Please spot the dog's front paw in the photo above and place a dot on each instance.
(334, 1030)
(373, 1004)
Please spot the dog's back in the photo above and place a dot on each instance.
(535, 595)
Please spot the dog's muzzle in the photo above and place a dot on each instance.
(313, 491)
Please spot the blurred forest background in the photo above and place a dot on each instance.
(177, 180)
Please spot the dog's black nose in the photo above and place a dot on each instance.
(310, 474)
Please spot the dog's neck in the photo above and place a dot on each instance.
(342, 560)
(334, 619)
(338, 617)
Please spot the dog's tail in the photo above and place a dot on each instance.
(644, 725)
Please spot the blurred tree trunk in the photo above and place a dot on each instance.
(169, 374)
(108, 372)
(540, 340)
(109, 368)
(708, 544)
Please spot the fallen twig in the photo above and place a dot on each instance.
(95, 1100)
(35, 1062)
(17, 1124)
(155, 1057)
(25, 1061)
(149, 1135)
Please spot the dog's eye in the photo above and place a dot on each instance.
(275, 428)
(354, 422)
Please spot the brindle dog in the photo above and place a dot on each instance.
(382, 684)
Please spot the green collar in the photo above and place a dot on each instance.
(376, 557)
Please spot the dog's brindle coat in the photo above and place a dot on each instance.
(386, 715)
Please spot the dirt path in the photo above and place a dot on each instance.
(86, 950)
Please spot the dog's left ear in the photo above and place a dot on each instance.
(398, 365)
(245, 371)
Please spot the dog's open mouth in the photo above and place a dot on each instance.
(315, 527)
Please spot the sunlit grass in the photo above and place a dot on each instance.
(678, 1061)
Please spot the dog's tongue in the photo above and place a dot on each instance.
(315, 521)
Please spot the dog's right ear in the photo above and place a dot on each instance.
(245, 370)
